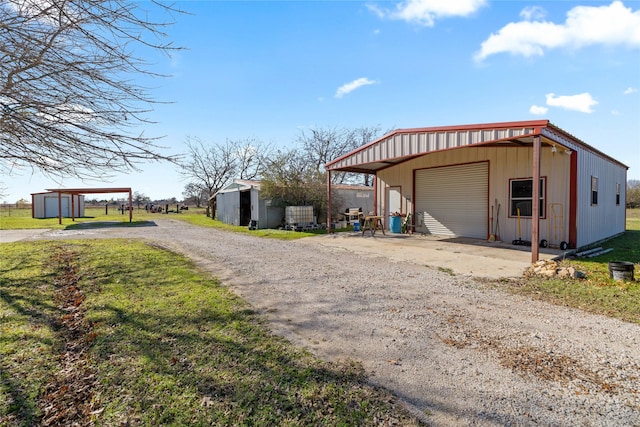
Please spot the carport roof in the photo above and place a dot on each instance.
(90, 190)
(404, 144)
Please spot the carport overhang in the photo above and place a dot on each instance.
(82, 191)
(403, 145)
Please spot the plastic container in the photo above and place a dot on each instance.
(621, 270)
(356, 226)
(395, 224)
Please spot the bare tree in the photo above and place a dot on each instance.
(68, 101)
(195, 193)
(211, 166)
(140, 198)
(252, 155)
(359, 137)
(292, 178)
(325, 144)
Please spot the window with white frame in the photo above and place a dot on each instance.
(594, 190)
(521, 195)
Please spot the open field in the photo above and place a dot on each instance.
(21, 219)
(124, 333)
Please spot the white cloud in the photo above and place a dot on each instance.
(630, 90)
(614, 24)
(581, 102)
(532, 13)
(538, 110)
(425, 12)
(351, 86)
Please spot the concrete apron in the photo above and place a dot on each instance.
(464, 256)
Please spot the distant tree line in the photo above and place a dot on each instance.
(633, 193)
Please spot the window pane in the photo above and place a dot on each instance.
(524, 205)
(521, 188)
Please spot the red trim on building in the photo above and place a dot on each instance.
(573, 200)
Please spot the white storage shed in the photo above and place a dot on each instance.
(45, 205)
(240, 203)
(466, 180)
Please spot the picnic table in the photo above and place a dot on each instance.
(372, 223)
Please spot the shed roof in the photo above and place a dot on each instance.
(244, 184)
(90, 190)
(401, 145)
(238, 185)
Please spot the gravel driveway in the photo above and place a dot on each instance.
(456, 351)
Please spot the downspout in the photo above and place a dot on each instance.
(573, 200)
(535, 201)
(329, 201)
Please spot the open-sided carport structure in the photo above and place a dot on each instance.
(453, 178)
(82, 191)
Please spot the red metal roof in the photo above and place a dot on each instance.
(90, 190)
(403, 144)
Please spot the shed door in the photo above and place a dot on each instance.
(51, 207)
(453, 200)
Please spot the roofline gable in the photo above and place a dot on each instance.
(439, 138)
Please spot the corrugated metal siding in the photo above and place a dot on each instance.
(606, 218)
(270, 216)
(228, 207)
(46, 205)
(453, 201)
(255, 204)
(51, 206)
(505, 163)
(509, 162)
(354, 198)
(38, 206)
(413, 143)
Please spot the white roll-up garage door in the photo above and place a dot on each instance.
(51, 207)
(453, 200)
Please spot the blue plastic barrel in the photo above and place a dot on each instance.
(395, 224)
(356, 226)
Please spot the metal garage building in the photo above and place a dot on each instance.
(45, 205)
(452, 179)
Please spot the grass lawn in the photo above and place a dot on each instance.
(21, 219)
(598, 293)
(124, 333)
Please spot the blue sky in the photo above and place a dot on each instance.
(269, 69)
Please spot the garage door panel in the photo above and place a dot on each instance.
(51, 207)
(453, 200)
